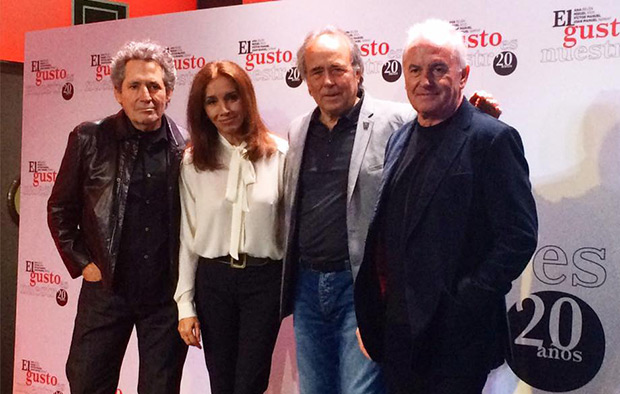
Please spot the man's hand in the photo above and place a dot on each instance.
(486, 103)
(189, 328)
(361, 344)
(91, 273)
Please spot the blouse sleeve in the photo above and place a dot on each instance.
(188, 259)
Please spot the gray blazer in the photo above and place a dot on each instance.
(377, 121)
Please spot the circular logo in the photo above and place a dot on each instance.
(293, 77)
(558, 341)
(62, 297)
(67, 91)
(505, 63)
(391, 70)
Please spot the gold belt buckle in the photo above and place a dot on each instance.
(239, 263)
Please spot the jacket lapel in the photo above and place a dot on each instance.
(176, 145)
(395, 149)
(447, 152)
(297, 141)
(363, 133)
(292, 167)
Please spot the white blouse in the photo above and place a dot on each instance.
(233, 210)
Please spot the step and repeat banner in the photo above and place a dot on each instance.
(555, 68)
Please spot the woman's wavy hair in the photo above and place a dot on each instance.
(205, 143)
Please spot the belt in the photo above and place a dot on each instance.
(326, 266)
(244, 261)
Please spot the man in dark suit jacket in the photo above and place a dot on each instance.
(455, 224)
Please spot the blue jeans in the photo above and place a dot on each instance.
(328, 356)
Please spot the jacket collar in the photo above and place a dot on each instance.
(123, 129)
(363, 134)
(448, 150)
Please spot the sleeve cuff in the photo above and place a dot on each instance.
(186, 309)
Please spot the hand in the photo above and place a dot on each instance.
(486, 103)
(361, 344)
(91, 273)
(189, 328)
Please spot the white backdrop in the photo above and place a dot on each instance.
(561, 90)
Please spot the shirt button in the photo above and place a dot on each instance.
(147, 202)
(146, 257)
(148, 175)
(147, 229)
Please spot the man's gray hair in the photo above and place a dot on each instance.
(147, 51)
(439, 33)
(356, 55)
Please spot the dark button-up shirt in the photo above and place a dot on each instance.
(142, 266)
(322, 211)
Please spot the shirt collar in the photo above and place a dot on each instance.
(351, 116)
(150, 137)
(446, 122)
(228, 146)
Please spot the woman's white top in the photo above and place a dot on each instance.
(236, 209)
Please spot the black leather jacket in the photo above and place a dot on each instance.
(86, 208)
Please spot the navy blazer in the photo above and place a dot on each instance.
(470, 233)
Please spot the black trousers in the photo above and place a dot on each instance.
(404, 377)
(103, 326)
(439, 385)
(238, 310)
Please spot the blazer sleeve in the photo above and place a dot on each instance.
(64, 208)
(510, 207)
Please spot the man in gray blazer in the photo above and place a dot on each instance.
(332, 176)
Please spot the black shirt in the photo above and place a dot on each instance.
(403, 191)
(143, 260)
(322, 214)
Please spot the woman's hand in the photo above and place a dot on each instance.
(189, 328)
